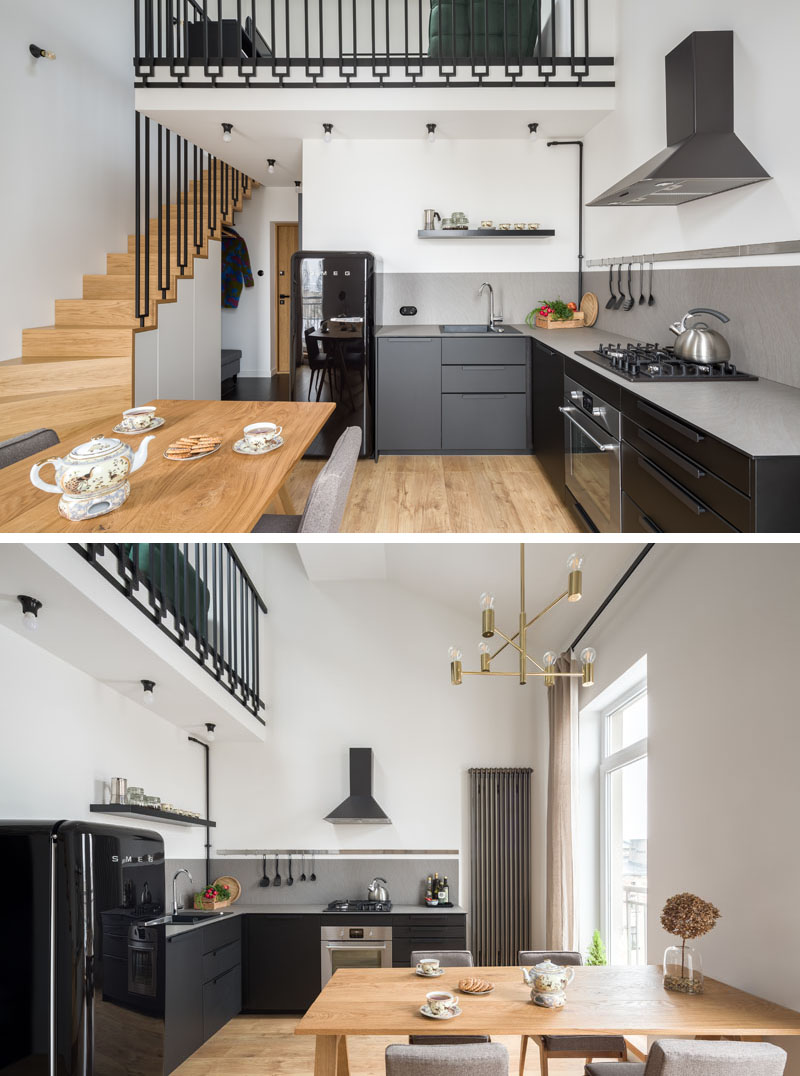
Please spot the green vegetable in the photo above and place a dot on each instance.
(560, 311)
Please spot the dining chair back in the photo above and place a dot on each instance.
(327, 500)
(694, 1057)
(448, 958)
(567, 1046)
(26, 444)
(483, 1059)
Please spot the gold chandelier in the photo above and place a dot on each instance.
(547, 670)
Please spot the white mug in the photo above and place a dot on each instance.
(260, 434)
(138, 418)
(440, 1002)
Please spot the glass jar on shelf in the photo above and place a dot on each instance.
(683, 970)
(153, 801)
(135, 796)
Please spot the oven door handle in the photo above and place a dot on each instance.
(355, 945)
(566, 412)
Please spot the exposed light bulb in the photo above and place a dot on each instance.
(574, 562)
(30, 611)
(588, 655)
(30, 621)
(328, 129)
(226, 132)
(148, 687)
(533, 129)
(454, 653)
(487, 600)
(483, 648)
(271, 166)
(575, 583)
(550, 658)
(210, 736)
(431, 131)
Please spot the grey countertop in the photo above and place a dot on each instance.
(761, 418)
(172, 930)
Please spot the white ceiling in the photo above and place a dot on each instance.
(455, 575)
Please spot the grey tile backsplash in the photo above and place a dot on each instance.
(340, 877)
(764, 330)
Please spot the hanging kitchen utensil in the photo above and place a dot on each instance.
(290, 880)
(628, 304)
(699, 343)
(612, 302)
(589, 307)
(642, 299)
(277, 879)
(621, 296)
(312, 877)
(651, 301)
(303, 867)
(264, 883)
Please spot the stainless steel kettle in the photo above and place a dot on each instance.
(699, 343)
(378, 892)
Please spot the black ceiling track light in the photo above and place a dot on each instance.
(431, 131)
(533, 131)
(328, 132)
(271, 165)
(226, 131)
(149, 687)
(39, 53)
(30, 611)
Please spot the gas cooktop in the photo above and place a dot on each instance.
(359, 906)
(651, 362)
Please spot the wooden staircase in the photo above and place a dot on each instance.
(82, 367)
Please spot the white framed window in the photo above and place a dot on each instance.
(623, 825)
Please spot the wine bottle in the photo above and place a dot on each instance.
(444, 892)
(429, 889)
(436, 885)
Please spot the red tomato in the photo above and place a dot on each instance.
(572, 306)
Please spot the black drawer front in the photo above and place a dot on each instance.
(476, 377)
(222, 1000)
(667, 504)
(442, 919)
(711, 454)
(634, 520)
(429, 930)
(493, 350)
(215, 935)
(221, 960)
(402, 948)
(712, 491)
(484, 422)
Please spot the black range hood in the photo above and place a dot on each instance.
(360, 807)
(703, 155)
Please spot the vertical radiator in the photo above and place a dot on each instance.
(500, 864)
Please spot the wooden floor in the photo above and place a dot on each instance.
(266, 1046)
(445, 494)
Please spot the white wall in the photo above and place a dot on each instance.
(718, 623)
(67, 134)
(362, 665)
(65, 735)
(181, 358)
(766, 36)
(359, 195)
(248, 327)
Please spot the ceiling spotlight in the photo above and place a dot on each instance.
(210, 732)
(328, 129)
(297, 183)
(271, 165)
(148, 687)
(40, 54)
(431, 131)
(533, 128)
(226, 132)
(30, 611)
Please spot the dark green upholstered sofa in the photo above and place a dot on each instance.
(159, 564)
(478, 29)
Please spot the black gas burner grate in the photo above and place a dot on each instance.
(652, 362)
(359, 906)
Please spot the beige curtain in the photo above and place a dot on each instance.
(560, 893)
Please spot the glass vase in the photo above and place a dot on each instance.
(683, 970)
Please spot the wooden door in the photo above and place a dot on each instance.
(286, 243)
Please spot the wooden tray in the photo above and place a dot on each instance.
(577, 321)
(233, 884)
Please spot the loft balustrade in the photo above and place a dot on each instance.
(393, 43)
(200, 596)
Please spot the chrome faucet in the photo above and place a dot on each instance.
(495, 320)
(183, 870)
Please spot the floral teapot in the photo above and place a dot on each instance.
(93, 478)
(548, 983)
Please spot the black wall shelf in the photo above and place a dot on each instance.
(132, 809)
(485, 233)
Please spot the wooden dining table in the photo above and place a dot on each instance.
(223, 492)
(629, 1001)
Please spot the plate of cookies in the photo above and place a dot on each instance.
(474, 985)
(193, 448)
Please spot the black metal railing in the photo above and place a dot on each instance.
(192, 194)
(367, 42)
(200, 595)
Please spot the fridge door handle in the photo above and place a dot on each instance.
(53, 970)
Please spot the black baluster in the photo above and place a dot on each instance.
(194, 200)
(168, 208)
(239, 31)
(185, 205)
(160, 223)
(146, 308)
(205, 38)
(197, 617)
(178, 205)
(202, 195)
(138, 248)
(231, 626)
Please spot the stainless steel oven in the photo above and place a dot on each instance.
(592, 456)
(355, 947)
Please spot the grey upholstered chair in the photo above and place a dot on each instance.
(486, 1059)
(558, 1046)
(328, 497)
(448, 958)
(26, 444)
(691, 1057)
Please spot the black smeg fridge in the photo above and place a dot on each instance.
(82, 981)
(332, 342)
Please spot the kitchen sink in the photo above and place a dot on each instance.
(183, 918)
(470, 330)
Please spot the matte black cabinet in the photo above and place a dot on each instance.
(426, 931)
(409, 415)
(548, 422)
(282, 962)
